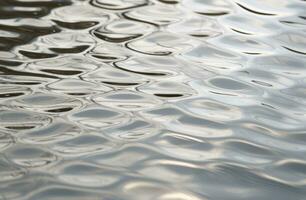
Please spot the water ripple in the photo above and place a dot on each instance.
(152, 99)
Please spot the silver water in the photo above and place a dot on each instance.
(152, 100)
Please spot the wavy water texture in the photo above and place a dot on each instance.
(152, 99)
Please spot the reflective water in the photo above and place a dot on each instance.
(153, 100)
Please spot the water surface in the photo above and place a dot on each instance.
(152, 100)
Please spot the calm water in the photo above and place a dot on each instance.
(152, 100)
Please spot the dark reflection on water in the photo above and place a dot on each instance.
(152, 99)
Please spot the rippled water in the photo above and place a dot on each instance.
(153, 100)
